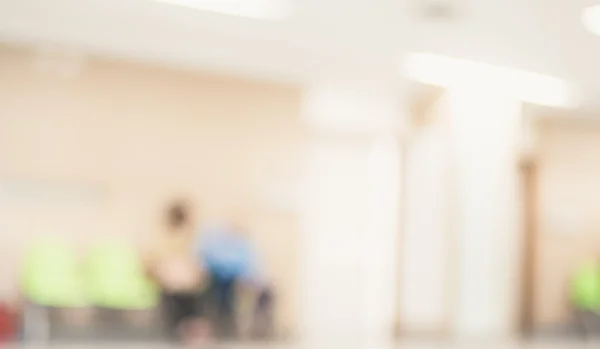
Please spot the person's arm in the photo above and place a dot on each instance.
(198, 246)
(148, 258)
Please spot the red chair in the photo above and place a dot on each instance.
(7, 324)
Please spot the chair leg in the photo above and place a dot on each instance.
(36, 323)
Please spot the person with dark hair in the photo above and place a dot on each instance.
(171, 264)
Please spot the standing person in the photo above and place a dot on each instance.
(171, 264)
(229, 259)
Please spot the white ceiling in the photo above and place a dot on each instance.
(359, 38)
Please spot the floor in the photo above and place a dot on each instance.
(541, 344)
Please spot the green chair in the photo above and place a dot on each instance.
(51, 275)
(585, 297)
(115, 278)
(585, 287)
(50, 278)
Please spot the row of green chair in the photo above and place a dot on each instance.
(111, 276)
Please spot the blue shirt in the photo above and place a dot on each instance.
(226, 254)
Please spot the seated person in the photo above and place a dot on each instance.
(228, 258)
(171, 264)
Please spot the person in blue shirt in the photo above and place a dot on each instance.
(228, 257)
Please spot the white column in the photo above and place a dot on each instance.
(425, 239)
(484, 137)
(349, 216)
(380, 247)
(483, 102)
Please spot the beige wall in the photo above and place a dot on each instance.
(133, 136)
(569, 217)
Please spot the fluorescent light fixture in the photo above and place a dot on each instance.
(526, 86)
(260, 9)
(591, 19)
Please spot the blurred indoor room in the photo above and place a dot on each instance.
(298, 174)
